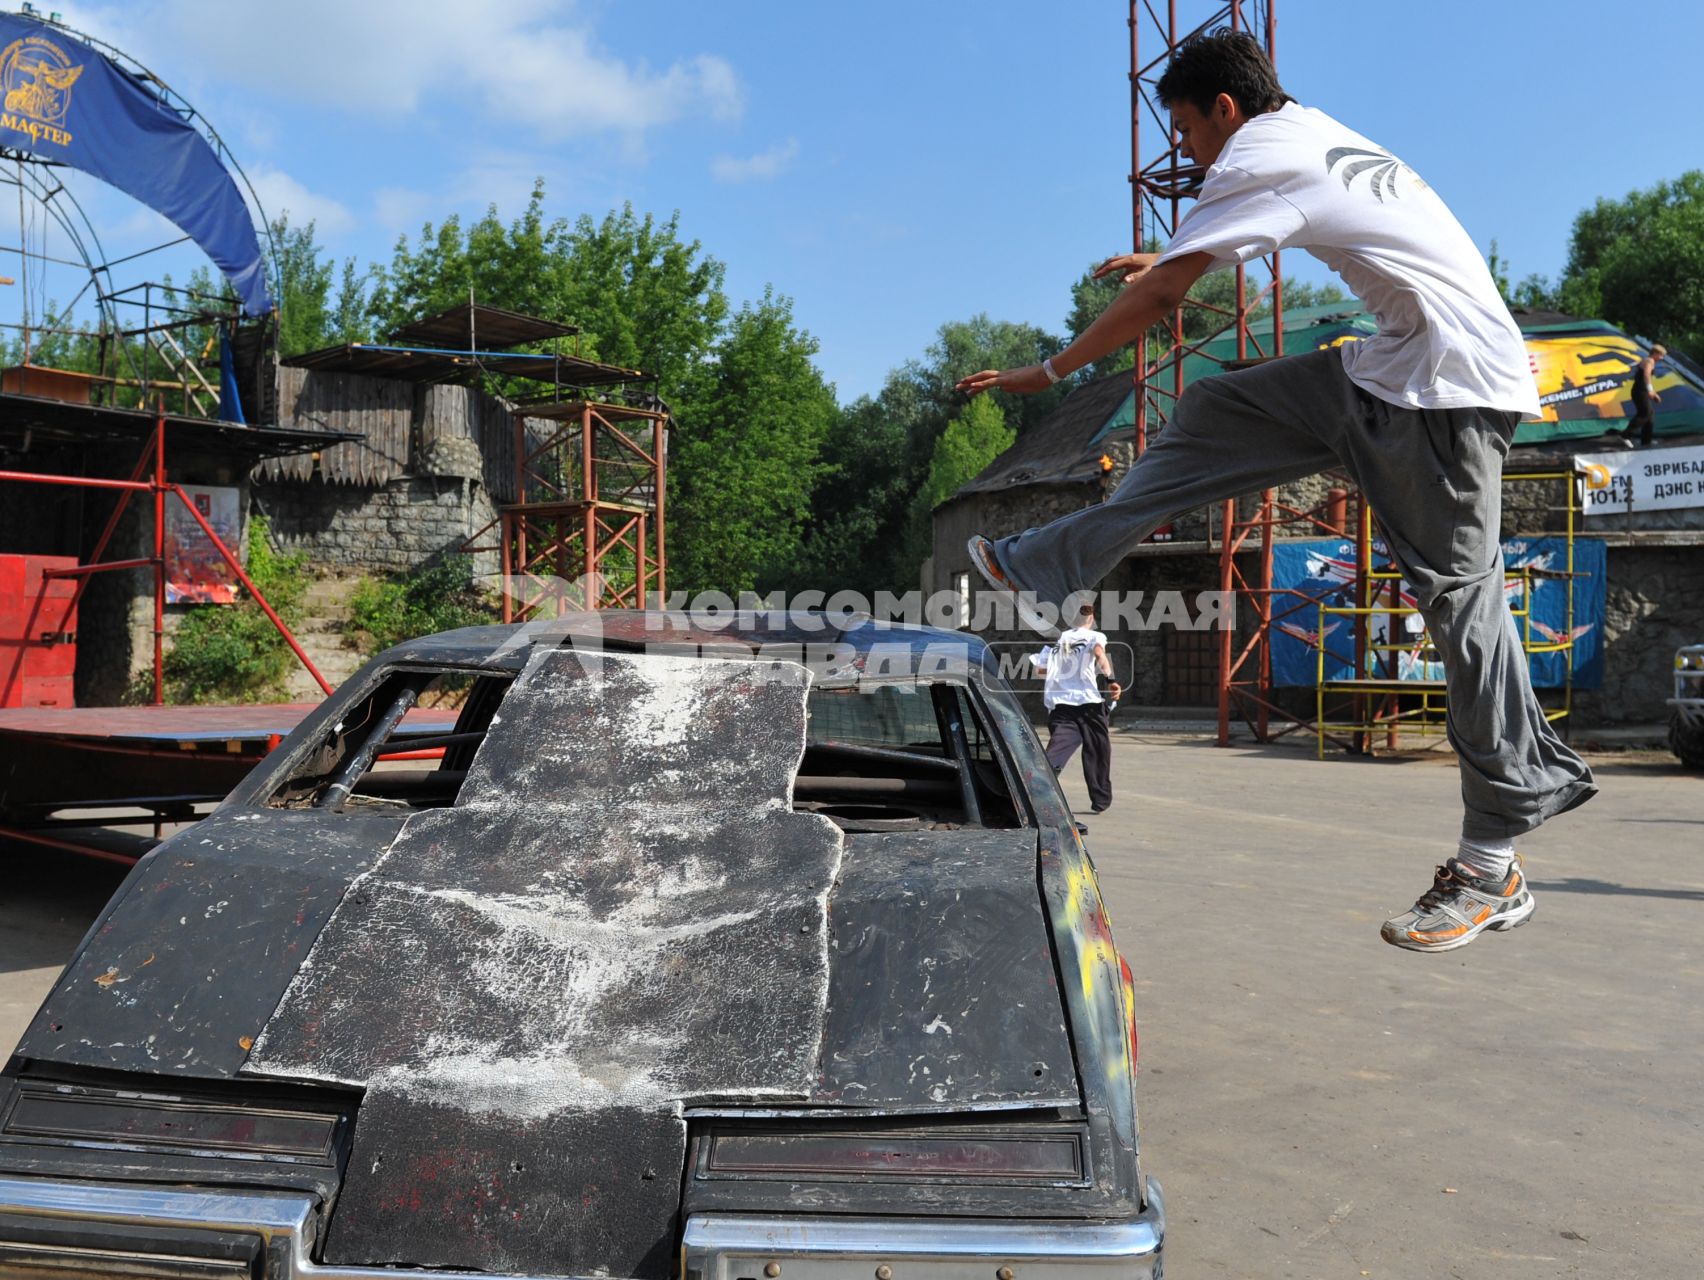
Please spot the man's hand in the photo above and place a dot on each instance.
(1024, 382)
(1131, 267)
(1114, 691)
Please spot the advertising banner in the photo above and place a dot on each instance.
(66, 103)
(1325, 570)
(1587, 379)
(195, 571)
(1629, 480)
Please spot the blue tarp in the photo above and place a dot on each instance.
(230, 399)
(1325, 568)
(65, 102)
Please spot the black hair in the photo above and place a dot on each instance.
(1222, 61)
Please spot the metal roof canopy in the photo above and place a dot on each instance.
(430, 364)
(563, 410)
(476, 326)
(27, 420)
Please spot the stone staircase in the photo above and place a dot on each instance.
(320, 633)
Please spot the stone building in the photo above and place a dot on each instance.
(429, 455)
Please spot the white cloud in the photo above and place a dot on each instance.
(503, 179)
(280, 194)
(761, 167)
(402, 210)
(527, 64)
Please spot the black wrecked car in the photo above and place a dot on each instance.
(704, 948)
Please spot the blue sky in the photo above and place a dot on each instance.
(889, 166)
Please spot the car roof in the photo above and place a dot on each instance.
(733, 633)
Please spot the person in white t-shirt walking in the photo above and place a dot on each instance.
(1076, 711)
(1421, 414)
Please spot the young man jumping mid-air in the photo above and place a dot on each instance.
(1421, 415)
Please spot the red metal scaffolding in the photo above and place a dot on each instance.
(147, 476)
(586, 530)
(1161, 182)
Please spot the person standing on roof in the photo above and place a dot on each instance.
(1421, 415)
(1076, 710)
(1644, 392)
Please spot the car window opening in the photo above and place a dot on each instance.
(374, 757)
(892, 757)
(882, 757)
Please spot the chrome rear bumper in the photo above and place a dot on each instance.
(74, 1229)
(80, 1231)
(738, 1247)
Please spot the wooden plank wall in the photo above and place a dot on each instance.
(397, 422)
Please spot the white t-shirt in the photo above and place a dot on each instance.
(1070, 667)
(1295, 178)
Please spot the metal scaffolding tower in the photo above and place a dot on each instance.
(586, 529)
(1160, 184)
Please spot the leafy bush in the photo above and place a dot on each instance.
(439, 596)
(232, 652)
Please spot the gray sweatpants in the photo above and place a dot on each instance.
(1434, 479)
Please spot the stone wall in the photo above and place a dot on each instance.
(115, 617)
(392, 529)
(1654, 603)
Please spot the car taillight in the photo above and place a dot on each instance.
(45, 1112)
(1054, 1154)
(1130, 1007)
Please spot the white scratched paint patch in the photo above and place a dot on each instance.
(621, 910)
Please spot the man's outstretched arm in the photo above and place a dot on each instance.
(1157, 291)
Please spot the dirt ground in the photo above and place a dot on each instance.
(1316, 1103)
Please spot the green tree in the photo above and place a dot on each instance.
(856, 537)
(968, 443)
(647, 298)
(1608, 223)
(642, 296)
(962, 347)
(862, 533)
(748, 455)
(971, 441)
(1533, 293)
(1638, 262)
(350, 317)
(301, 282)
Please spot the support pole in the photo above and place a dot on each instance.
(160, 555)
(660, 462)
(1227, 581)
(248, 585)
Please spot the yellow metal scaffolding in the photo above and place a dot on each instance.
(1379, 698)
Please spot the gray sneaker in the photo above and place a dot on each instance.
(987, 563)
(1459, 907)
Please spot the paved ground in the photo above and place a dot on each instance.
(1318, 1104)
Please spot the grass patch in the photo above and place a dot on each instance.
(439, 596)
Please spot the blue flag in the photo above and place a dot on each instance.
(65, 102)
